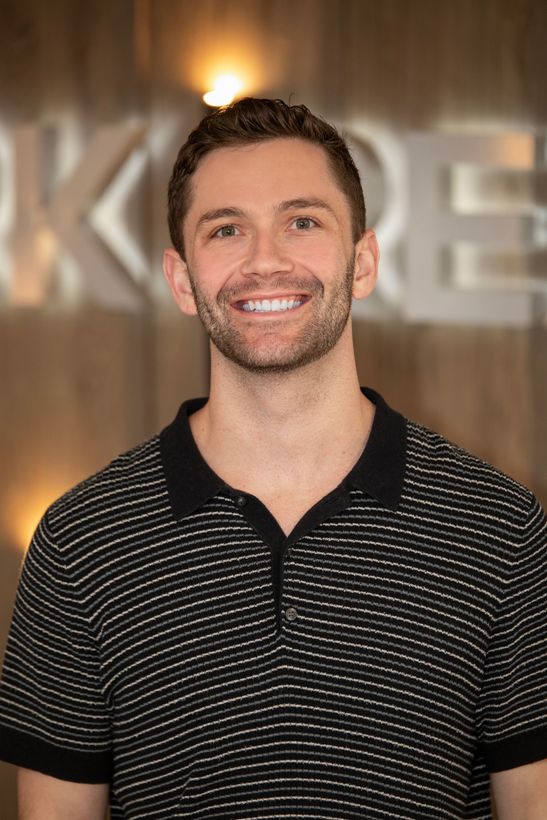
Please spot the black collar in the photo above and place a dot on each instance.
(379, 471)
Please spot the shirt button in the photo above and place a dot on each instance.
(291, 613)
(241, 500)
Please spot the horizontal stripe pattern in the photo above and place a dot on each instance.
(149, 647)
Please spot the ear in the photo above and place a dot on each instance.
(367, 258)
(175, 271)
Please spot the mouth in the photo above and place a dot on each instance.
(282, 304)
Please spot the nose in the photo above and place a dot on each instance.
(266, 256)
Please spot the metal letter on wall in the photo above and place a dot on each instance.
(435, 228)
(37, 227)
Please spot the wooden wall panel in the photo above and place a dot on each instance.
(430, 62)
(413, 65)
(65, 58)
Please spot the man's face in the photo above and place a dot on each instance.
(269, 253)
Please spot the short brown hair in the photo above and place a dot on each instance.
(252, 120)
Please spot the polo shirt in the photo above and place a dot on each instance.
(378, 662)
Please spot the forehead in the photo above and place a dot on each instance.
(277, 169)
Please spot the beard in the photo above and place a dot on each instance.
(270, 353)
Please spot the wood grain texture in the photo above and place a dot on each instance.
(414, 65)
(67, 58)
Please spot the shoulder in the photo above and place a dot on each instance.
(132, 480)
(449, 478)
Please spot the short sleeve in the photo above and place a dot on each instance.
(53, 715)
(512, 712)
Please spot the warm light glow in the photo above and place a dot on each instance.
(235, 45)
(26, 526)
(225, 88)
(21, 512)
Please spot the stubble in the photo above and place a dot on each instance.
(317, 336)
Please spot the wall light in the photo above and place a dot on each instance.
(225, 89)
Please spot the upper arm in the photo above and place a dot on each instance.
(55, 712)
(521, 793)
(42, 797)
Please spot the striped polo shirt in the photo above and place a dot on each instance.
(379, 662)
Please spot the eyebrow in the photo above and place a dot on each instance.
(301, 203)
(219, 213)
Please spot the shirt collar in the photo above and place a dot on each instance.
(379, 471)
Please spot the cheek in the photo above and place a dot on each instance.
(219, 260)
(322, 257)
(211, 278)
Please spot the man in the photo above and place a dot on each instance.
(293, 602)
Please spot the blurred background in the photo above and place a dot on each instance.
(445, 108)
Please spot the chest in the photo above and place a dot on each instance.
(362, 591)
(382, 636)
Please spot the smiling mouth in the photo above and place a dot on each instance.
(271, 305)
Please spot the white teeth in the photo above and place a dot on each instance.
(270, 305)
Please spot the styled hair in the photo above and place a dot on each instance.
(253, 120)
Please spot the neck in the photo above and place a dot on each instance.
(289, 424)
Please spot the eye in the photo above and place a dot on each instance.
(225, 230)
(304, 223)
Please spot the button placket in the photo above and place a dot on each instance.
(289, 613)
